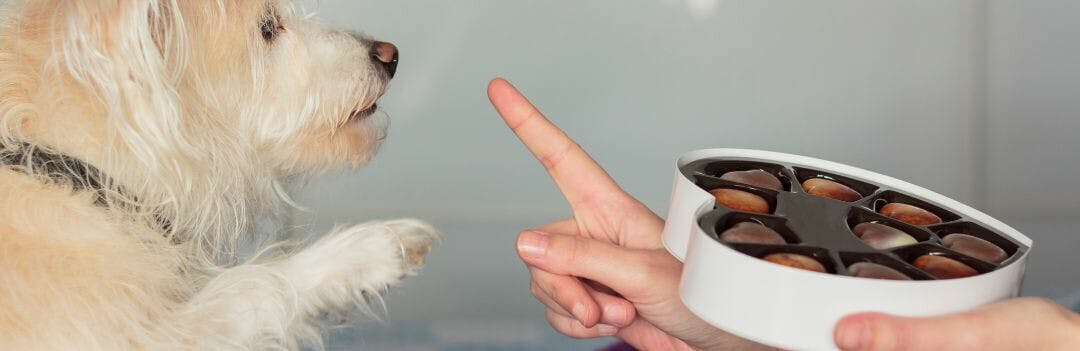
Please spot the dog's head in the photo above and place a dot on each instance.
(302, 94)
(194, 108)
(169, 78)
(305, 94)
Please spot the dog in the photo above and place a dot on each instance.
(141, 141)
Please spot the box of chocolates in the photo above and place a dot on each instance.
(778, 247)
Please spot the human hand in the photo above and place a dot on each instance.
(1016, 324)
(612, 242)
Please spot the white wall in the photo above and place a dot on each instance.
(975, 99)
(1033, 90)
(1031, 151)
(887, 85)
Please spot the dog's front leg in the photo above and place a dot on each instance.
(344, 268)
(280, 303)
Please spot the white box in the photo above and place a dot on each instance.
(796, 309)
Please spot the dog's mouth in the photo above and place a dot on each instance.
(361, 114)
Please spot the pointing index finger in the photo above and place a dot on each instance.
(574, 172)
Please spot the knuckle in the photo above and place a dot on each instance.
(555, 320)
(656, 270)
(576, 250)
(566, 326)
(576, 330)
(536, 290)
(652, 270)
(583, 249)
(656, 261)
(561, 293)
(554, 158)
(522, 122)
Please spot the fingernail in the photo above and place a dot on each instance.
(614, 314)
(606, 329)
(533, 244)
(854, 336)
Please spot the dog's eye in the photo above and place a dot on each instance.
(270, 27)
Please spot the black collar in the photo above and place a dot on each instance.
(58, 168)
(61, 169)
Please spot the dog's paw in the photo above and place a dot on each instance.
(363, 258)
(347, 267)
(416, 239)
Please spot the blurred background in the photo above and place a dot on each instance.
(978, 100)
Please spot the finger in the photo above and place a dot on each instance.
(609, 309)
(574, 172)
(568, 294)
(878, 331)
(640, 231)
(547, 301)
(1018, 324)
(629, 272)
(615, 310)
(574, 329)
(560, 293)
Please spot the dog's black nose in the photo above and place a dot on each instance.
(387, 55)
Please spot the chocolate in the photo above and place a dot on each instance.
(975, 247)
(942, 267)
(775, 211)
(796, 261)
(876, 271)
(909, 214)
(830, 189)
(740, 200)
(752, 233)
(882, 237)
(755, 177)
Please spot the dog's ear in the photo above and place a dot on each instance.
(127, 55)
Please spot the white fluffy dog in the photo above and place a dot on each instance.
(140, 140)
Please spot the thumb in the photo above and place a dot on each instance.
(627, 271)
(1018, 324)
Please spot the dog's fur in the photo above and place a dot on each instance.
(190, 115)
